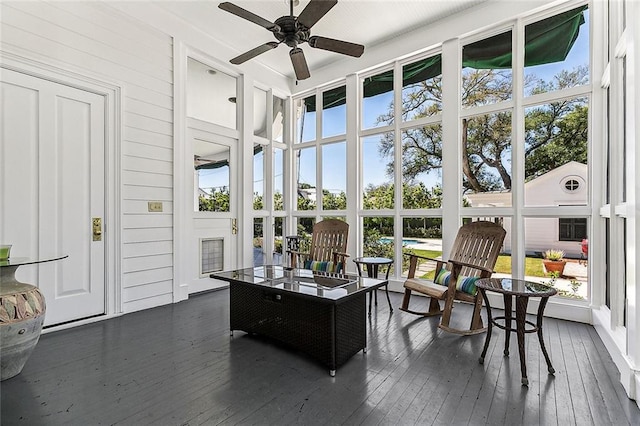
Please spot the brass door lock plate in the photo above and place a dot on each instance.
(97, 228)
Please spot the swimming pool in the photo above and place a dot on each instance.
(405, 241)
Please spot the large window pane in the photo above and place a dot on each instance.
(486, 71)
(486, 160)
(378, 237)
(334, 112)
(278, 243)
(304, 230)
(211, 94)
(259, 112)
(211, 164)
(569, 275)
(258, 241)
(377, 171)
(377, 100)
(278, 179)
(334, 176)
(422, 88)
(422, 236)
(422, 167)
(502, 268)
(258, 177)
(306, 178)
(557, 52)
(556, 152)
(305, 119)
(278, 125)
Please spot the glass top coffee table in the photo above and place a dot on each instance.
(321, 314)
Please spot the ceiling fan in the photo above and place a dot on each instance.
(292, 31)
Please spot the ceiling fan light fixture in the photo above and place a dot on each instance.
(294, 30)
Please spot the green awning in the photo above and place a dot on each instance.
(213, 165)
(546, 41)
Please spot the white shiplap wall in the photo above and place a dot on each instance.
(96, 40)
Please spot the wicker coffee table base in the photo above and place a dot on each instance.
(330, 331)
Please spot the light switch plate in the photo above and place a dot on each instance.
(155, 206)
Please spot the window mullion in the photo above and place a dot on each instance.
(517, 153)
(451, 141)
(397, 159)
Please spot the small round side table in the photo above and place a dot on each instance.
(522, 290)
(372, 264)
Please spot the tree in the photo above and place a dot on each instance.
(555, 133)
(217, 201)
(334, 201)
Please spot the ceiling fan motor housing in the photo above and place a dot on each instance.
(291, 31)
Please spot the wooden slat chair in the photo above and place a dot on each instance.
(328, 247)
(473, 256)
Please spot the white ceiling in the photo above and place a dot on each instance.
(366, 22)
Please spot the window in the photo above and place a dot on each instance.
(320, 159)
(556, 142)
(572, 229)
(422, 88)
(258, 176)
(259, 112)
(377, 171)
(211, 164)
(377, 101)
(421, 167)
(334, 112)
(305, 119)
(486, 71)
(277, 127)
(486, 159)
(269, 122)
(306, 178)
(571, 185)
(564, 60)
(211, 94)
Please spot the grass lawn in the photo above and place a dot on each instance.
(532, 265)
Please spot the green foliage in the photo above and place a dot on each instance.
(418, 196)
(378, 197)
(257, 201)
(217, 201)
(552, 254)
(278, 203)
(373, 245)
(334, 201)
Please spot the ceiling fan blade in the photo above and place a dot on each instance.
(315, 10)
(249, 16)
(254, 52)
(299, 63)
(338, 46)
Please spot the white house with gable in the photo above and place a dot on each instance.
(563, 186)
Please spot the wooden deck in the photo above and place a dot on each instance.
(177, 365)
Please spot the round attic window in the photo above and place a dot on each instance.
(571, 185)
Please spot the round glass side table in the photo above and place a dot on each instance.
(372, 265)
(521, 290)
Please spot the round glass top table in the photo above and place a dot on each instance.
(522, 290)
(373, 264)
(22, 311)
(8, 267)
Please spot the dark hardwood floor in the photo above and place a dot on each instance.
(177, 365)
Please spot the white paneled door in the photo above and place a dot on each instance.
(52, 180)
